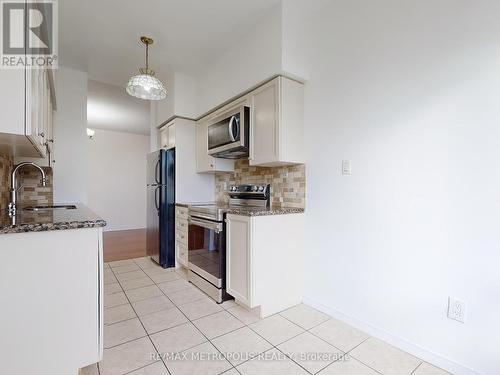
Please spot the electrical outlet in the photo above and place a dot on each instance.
(456, 309)
(346, 167)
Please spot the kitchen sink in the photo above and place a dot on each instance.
(51, 207)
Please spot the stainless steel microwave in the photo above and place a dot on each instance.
(228, 134)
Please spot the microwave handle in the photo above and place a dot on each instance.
(231, 132)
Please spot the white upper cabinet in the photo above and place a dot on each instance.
(205, 162)
(277, 123)
(27, 110)
(167, 136)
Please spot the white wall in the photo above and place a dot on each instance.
(253, 59)
(70, 134)
(409, 92)
(117, 178)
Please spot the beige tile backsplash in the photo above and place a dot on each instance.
(288, 183)
(5, 170)
(31, 193)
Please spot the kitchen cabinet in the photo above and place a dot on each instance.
(167, 135)
(265, 261)
(205, 162)
(276, 127)
(60, 272)
(27, 110)
(181, 235)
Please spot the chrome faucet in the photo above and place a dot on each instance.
(13, 190)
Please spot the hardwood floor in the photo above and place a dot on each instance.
(124, 244)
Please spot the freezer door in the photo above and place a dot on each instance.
(154, 168)
(153, 222)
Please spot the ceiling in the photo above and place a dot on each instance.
(109, 107)
(101, 37)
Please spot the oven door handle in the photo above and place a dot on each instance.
(217, 227)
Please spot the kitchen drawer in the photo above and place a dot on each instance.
(182, 253)
(181, 212)
(181, 237)
(181, 225)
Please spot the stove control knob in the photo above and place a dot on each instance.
(261, 188)
(255, 188)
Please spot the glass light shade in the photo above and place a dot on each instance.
(145, 86)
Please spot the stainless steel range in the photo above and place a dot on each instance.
(207, 238)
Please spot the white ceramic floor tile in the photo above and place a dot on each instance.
(200, 308)
(171, 287)
(157, 368)
(339, 334)
(385, 358)
(158, 270)
(243, 314)
(115, 299)
(130, 275)
(127, 268)
(231, 372)
(119, 333)
(241, 345)
(178, 339)
(151, 305)
(305, 316)
(276, 329)
(310, 352)
(109, 278)
(127, 357)
(139, 294)
(106, 265)
(203, 359)
(272, 362)
(185, 296)
(146, 263)
(229, 304)
(112, 288)
(118, 314)
(161, 320)
(121, 263)
(90, 370)
(136, 283)
(428, 369)
(217, 324)
(182, 272)
(163, 277)
(348, 366)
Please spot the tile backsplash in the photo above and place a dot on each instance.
(31, 192)
(288, 183)
(5, 169)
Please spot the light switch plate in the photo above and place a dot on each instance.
(346, 167)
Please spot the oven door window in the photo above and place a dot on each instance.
(204, 250)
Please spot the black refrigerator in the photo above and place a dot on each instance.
(160, 238)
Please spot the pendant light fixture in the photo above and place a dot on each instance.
(146, 85)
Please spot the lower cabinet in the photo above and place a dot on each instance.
(52, 287)
(265, 261)
(181, 235)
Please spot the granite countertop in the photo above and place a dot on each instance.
(248, 211)
(264, 211)
(41, 221)
(187, 204)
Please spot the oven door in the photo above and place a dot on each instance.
(228, 134)
(206, 250)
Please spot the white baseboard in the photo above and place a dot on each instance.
(428, 356)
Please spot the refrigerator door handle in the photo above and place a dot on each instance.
(156, 171)
(157, 199)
